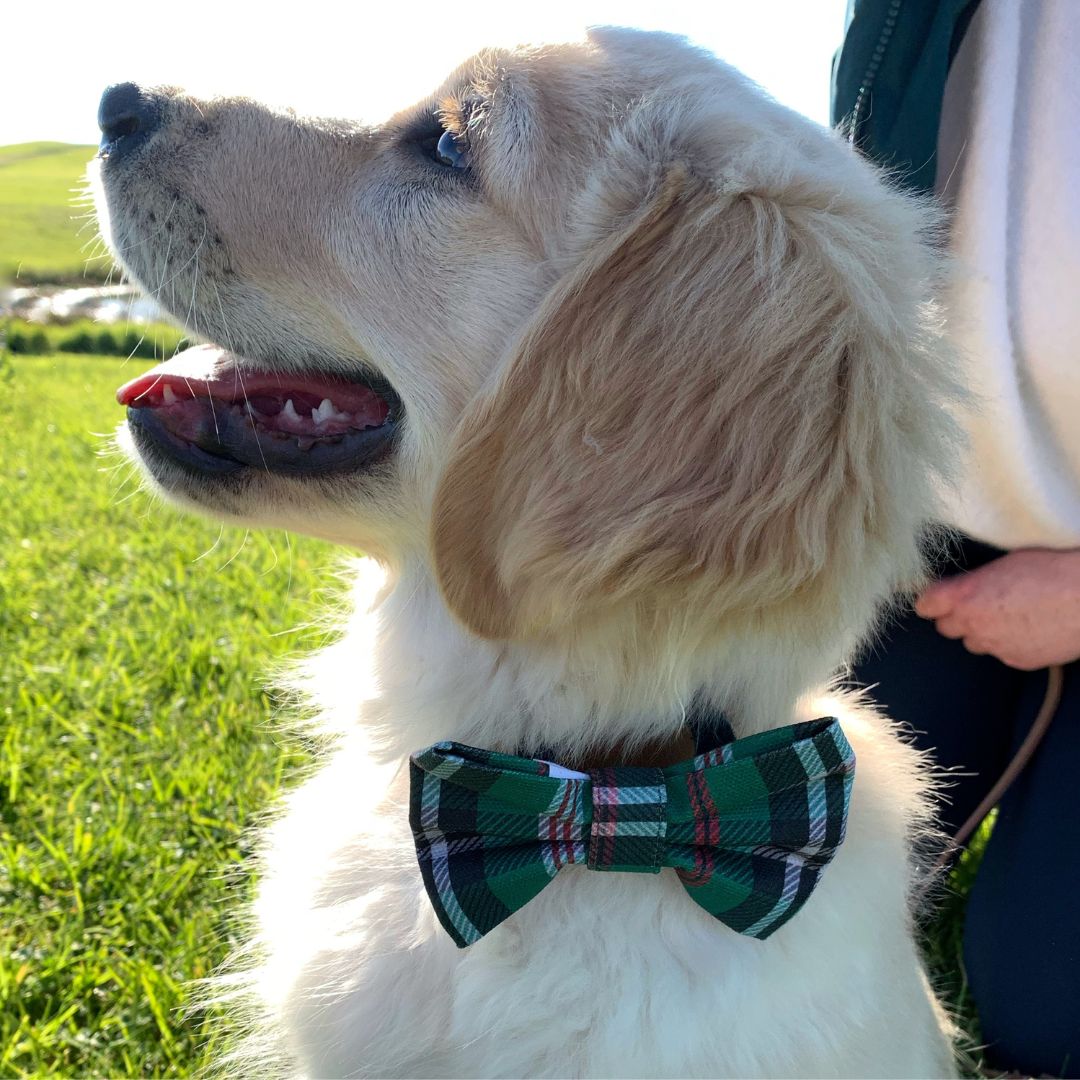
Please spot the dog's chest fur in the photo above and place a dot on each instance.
(602, 974)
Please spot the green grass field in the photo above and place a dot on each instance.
(136, 748)
(42, 234)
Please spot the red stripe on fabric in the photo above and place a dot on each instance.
(706, 816)
(706, 829)
(561, 850)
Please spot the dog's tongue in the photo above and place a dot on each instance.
(301, 404)
(201, 364)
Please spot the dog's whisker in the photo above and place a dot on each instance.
(137, 490)
(131, 475)
(226, 330)
(289, 548)
(193, 257)
(213, 547)
(232, 557)
(247, 402)
(164, 267)
(138, 344)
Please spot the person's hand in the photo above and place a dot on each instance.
(1023, 608)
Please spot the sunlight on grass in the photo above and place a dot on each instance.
(44, 233)
(136, 748)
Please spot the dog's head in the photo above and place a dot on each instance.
(596, 328)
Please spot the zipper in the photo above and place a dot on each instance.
(866, 86)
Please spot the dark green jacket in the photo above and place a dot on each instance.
(889, 79)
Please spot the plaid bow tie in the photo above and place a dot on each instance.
(748, 827)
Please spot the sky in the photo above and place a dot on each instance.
(358, 59)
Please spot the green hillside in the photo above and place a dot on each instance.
(39, 218)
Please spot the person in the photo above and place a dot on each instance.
(978, 102)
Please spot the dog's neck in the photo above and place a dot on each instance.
(610, 694)
(656, 754)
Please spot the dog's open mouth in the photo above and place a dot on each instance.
(212, 413)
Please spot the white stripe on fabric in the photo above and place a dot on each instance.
(629, 796)
(817, 804)
(793, 865)
(440, 871)
(429, 804)
(440, 861)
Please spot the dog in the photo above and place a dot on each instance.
(631, 385)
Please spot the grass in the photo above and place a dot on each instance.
(943, 944)
(135, 749)
(40, 238)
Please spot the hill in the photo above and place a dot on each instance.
(40, 222)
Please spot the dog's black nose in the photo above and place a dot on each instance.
(127, 115)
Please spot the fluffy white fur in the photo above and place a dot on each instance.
(675, 411)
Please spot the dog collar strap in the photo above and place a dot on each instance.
(748, 827)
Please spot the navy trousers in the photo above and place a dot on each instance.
(1022, 928)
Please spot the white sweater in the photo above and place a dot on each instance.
(1009, 162)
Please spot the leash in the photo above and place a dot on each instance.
(1055, 678)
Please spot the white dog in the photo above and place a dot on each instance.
(632, 381)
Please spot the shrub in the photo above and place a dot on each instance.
(26, 341)
(154, 341)
(79, 342)
(106, 343)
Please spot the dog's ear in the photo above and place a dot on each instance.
(677, 417)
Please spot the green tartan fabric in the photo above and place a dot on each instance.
(748, 827)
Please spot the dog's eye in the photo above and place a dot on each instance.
(451, 150)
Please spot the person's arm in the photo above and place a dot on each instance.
(1023, 608)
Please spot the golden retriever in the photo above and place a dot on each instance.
(631, 381)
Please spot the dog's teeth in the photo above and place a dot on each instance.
(324, 412)
(305, 443)
(290, 411)
(167, 395)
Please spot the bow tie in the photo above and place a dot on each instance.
(748, 827)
